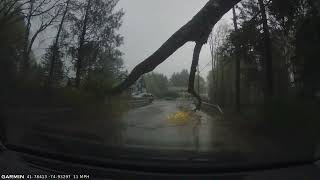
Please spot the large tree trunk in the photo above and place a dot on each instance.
(268, 54)
(197, 30)
(237, 66)
(81, 43)
(26, 53)
(195, 62)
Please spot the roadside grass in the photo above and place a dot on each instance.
(91, 115)
(286, 129)
(87, 114)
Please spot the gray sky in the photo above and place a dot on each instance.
(147, 24)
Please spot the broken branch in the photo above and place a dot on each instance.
(197, 30)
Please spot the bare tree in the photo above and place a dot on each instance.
(47, 13)
(56, 44)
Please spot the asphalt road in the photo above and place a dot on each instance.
(156, 127)
(161, 130)
(162, 125)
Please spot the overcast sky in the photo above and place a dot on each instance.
(147, 24)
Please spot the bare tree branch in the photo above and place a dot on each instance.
(40, 5)
(56, 44)
(42, 27)
(46, 10)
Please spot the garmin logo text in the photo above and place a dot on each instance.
(12, 176)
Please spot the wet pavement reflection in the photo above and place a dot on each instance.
(163, 126)
(168, 125)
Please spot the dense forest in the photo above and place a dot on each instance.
(269, 53)
(163, 87)
(81, 60)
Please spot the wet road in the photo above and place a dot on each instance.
(162, 125)
(156, 127)
(149, 133)
(151, 127)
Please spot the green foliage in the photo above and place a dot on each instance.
(288, 113)
(98, 82)
(102, 60)
(11, 45)
(156, 84)
(210, 80)
(180, 79)
(199, 81)
(58, 66)
(171, 95)
(293, 27)
(87, 105)
(95, 24)
(293, 123)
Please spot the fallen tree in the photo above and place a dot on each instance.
(196, 30)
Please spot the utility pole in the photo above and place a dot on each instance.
(237, 66)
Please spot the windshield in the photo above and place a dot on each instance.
(230, 82)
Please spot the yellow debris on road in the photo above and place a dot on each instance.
(179, 118)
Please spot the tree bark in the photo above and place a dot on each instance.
(26, 58)
(237, 66)
(56, 46)
(197, 30)
(81, 43)
(268, 54)
(195, 62)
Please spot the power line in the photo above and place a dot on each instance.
(205, 66)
